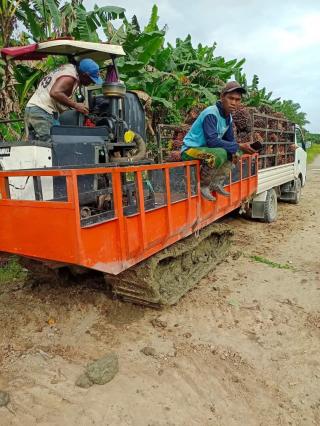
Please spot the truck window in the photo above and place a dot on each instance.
(299, 138)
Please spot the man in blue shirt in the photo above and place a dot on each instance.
(211, 140)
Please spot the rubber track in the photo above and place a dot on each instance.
(165, 277)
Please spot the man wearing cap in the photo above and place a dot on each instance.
(54, 95)
(211, 140)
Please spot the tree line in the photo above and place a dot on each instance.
(173, 77)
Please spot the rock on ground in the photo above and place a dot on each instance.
(4, 398)
(148, 351)
(103, 370)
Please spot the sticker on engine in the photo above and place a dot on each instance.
(5, 151)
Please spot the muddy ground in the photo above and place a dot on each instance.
(240, 349)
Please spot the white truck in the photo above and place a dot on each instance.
(282, 166)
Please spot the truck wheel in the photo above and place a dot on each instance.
(270, 206)
(297, 191)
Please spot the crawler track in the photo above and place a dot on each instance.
(165, 277)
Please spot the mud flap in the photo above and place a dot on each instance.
(258, 204)
(289, 190)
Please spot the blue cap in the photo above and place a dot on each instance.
(92, 69)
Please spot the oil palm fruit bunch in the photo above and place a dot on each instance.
(244, 137)
(260, 122)
(242, 119)
(193, 113)
(174, 156)
(257, 137)
(273, 137)
(265, 109)
(273, 124)
(177, 144)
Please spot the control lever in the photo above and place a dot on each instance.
(81, 117)
(80, 98)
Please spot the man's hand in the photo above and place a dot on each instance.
(245, 147)
(81, 108)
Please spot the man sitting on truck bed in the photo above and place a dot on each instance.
(54, 95)
(211, 140)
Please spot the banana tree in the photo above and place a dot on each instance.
(61, 19)
(175, 77)
(292, 111)
(8, 97)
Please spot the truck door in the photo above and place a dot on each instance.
(300, 156)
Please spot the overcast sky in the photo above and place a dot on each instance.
(280, 39)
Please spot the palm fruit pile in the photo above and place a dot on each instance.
(270, 128)
(278, 135)
(245, 119)
(175, 144)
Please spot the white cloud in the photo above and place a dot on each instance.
(303, 34)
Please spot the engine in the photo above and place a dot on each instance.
(114, 131)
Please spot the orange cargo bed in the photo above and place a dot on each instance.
(165, 206)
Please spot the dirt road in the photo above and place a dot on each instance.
(240, 349)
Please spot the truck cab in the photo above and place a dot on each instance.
(300, 163)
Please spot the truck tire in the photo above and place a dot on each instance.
(297, 191)
(270, 206)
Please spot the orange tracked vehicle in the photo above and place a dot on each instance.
(90, 199)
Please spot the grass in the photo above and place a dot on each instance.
(12, 271)
(313, 152)
(268, 262)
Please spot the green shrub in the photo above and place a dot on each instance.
(12, 271)
(313, 152)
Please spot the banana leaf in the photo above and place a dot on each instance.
(26, 92)
(163, 102)
(54, 12)
(153, 21)
(82, 25)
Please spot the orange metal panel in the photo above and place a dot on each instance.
(180, 216)
(156, 226)
(133, 235)
(43, 233)
(101, 244)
